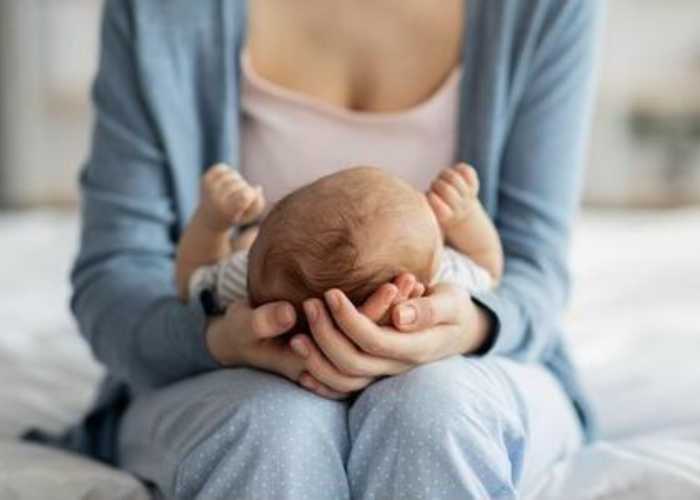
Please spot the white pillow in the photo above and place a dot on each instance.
(644, 468)
(32, 472)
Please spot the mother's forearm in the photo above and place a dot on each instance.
(128, 310)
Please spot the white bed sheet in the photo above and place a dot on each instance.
(633, 323)
(635, 319)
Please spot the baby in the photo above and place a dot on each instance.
(353, 230)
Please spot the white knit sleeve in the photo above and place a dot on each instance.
(226, 280)
(460, 270)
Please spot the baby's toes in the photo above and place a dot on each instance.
(451, 177)
(216, 171)
(443, 212)
(255, 207)
(470, 177)
(217, 174)
(240, 200)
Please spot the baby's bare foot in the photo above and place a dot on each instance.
(227, 199)
(453, 195)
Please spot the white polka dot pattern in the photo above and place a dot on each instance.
(454, 429)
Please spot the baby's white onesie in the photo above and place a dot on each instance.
(227, 280)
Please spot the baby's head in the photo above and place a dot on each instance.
(354, 230)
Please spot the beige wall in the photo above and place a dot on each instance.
(650, 70)
(650, 64)
(49, 52)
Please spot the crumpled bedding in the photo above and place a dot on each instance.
(633, 328)
(33, 472)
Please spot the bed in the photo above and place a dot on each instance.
(634, 331)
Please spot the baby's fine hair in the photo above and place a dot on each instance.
(354, 230)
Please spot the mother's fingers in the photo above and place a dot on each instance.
(275, 355)
(441, 306)
(270, 320)
(309, 382)
(373, 339)
(418, 291)
(323, 371)
(340, 350)
(379, 303)
(406, 283)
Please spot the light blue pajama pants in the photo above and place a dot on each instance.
(459, 428)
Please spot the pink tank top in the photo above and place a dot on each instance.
(290, 139)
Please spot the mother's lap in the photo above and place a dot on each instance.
(261, 436)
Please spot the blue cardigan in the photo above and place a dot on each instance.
(167, 106)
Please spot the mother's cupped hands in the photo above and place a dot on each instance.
(256, 338)
(351, 348)
(334, 367)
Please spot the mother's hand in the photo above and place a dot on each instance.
(444, 323)
(355, 349)
(247, 337)
(254, 338)
(337, 377)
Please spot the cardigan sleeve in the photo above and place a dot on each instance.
(124, 296)
(538, 185)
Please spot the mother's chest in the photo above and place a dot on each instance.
(367, 56)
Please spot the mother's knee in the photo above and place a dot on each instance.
(470, 389)
(460, 415)
(261, 429)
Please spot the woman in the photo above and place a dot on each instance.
(443, 424)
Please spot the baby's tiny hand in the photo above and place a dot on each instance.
(453, 195)
(227, 199)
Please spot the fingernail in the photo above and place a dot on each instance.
(299, 347)
(407, 315)
(285, 315)
(311, 310)
(333, 300)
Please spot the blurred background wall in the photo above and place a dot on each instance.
(48, 54)
(645, 146)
